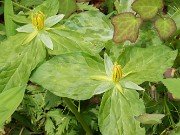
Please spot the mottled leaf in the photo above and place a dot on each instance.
(17, 60)
(117, 111)
(67, 41)
(71, 75)
(94, 26)
(166, 27)
(173, 86)
(126, 27)
(146, 64)
(147, 8)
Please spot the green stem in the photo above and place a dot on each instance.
(73, 109)
(168, 112)
(8, 13)
(110, 5)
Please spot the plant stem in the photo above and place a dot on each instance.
(110, 5)
(73, 109)
(8, 13)
(168, 112)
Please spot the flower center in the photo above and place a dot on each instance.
(117, 73)
(38, 20)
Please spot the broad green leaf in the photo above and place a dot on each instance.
(67, 7)
(166, 27)
(146, 64)
(51, 21)
(17, 60)
(94, 26)
(45, 38)
(71, 75)
(10, 100)
(117, 111)
(150, 118)
(48, 7)
(126, 27)
(147, 9)
(67, 41)
(173, 86)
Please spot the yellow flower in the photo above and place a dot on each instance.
(38, 20)
(117, 73)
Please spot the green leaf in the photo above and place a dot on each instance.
(9, 24)
(10, 100)
(123, 5)
(108, 65)
(147, 9)
(17, 60)
(126, 27)
(117, 111)
(166, 27)
(48, 7)
(51, 21)
(173, 86)
(31, 3)
(130, 85)
(94, 26)
(71, 75)
(176, 18)
(28, 28)
(49, 127)
(85, 6)
(150, 118)
(67, 41)
(21, 18)
(45, 38)
(61, 121)
(51, 100)
(146, 64)
(67, 7)
(176, 131)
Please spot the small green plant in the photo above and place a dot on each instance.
(67, 68)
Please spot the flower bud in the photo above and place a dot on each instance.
(38, 20)
(117, 73)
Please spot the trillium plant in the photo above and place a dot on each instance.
(39, 28)
(101, 68)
